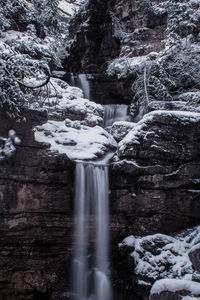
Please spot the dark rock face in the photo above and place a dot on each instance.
(104, 89)
(154, 187)
(94, 42)
(150, 192)
(99, 34)
(36, 208)
(104, 30)
(194, 255)
(166, 296)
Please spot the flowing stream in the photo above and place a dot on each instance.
(84, 85)
(81, 81)
(91, 260)
(115, 112)
(90, 267)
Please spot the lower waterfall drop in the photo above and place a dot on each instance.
(90, 270)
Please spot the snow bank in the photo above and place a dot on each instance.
(129, 241)
(75, 140)
(175, 285)
(70, 7)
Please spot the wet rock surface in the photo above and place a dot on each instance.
(157, 190)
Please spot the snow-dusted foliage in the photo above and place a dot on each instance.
(32, 36)
(160, 77)
(161, 256)
(62, 100)
(7, 145)
(175, 69)
(18, 75)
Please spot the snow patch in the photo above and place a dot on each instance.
(175, 285)
(70, 7)
(77, 141)
(129, 241)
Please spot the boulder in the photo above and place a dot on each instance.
(174, 289)
(194, 256)
(120, 129)
(36, 204)
(155, 182)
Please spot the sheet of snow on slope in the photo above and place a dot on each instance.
(75, 140)
(161, 256)
(175, 285)
(70, 7)
(133, 136)
(124, 66)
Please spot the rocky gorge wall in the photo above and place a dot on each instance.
(150, 192)
(154, 175)
(107, 29)
(36, 213)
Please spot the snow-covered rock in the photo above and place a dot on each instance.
(175, 289)
(75, 140)
(70, 7)
(7, 145)
(122, 67)
(153, 138)
(181, 105)
(164, 257)
(120, 129)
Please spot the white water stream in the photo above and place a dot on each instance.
(90, 277)
(115, 112)
(91, 259)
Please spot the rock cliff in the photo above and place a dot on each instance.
(140, 54)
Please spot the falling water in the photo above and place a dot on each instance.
(90, 279)
(115, 112)
(84, 85)
(72, 80)
(81, 81)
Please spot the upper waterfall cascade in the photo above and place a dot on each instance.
(81, 81)
(115, 112)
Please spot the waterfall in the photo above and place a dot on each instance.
(90, 269)
(84, 85)
(115, 112)
(72, 80)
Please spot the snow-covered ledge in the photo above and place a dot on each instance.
(176, 286)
